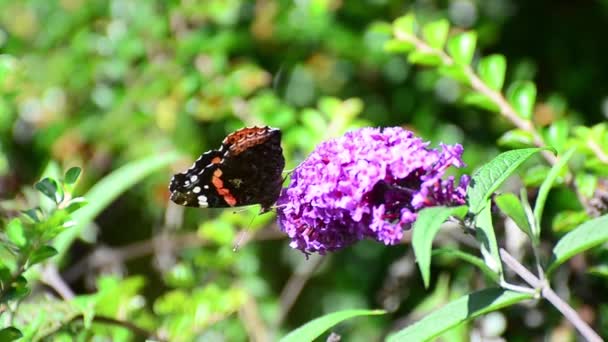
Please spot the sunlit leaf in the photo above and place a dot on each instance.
(71, 175)
(512, 207)
(435, 33)
(492, 71)
(584, 237)
(41, 254)
(316, 327)
(462, 47)
(522, 96)
(461, 310)
(15, 232)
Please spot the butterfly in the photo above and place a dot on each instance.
(245, 170)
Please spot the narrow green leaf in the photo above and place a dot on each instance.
(586, 236)
(543, 192)
(108, 189)
(487, 238)
(522, 96)
(462, 47)
(491, 175)
(71, 176)
(316, 327)
(516, 138)
(480, 100)
(50, 189)
(512, 207)
(398, 46)
(10, 334)
(471, 259)
(423, 58)
(404, 26)
(435, 33)
(15, 232)
(492, 71)
(41, 254)
(459, 311)
(425, 228)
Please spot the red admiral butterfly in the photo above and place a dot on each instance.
(247, 169)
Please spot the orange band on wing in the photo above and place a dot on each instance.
(219, 186)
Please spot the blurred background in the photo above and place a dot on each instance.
(99, 84)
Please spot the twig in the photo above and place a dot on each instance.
(548, 293)
(139, 331)
(597, 150)
(252, 321)
(295, 285)
(50, 276)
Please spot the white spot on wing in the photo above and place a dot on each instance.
(206, 186)
(202, 201)
(196, 189)
(194, 178)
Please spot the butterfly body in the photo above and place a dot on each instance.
(245, 170)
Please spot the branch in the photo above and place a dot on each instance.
(546, 292)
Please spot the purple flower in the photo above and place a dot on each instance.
(369, 183)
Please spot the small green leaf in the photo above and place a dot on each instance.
(586, 236)
(398, 46)
(481, 101)
(423, 58)
(404, 26)
(512, 207)
(586, 183)
(536, 175)
(543, 192)
(461, 310)
(316, 327)
(516, 138)
(71, 176)
(75, 204)
(10, 334)
(15, 232)
(425, 228)
(556, 135)
(33, 214)
(491, 175)
(522, 96)
(41, 254)
(462, 47)
(567, 220)
(455, 72)
(435, 33)
(487, 238)
(16, 290)
(492, 71)
(50, 189)
(471, 259)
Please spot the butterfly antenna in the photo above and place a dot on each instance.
(242, 235)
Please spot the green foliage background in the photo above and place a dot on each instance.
(100, 84)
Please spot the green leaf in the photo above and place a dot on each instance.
(50, 189)
(491, 175)
(108, 189)
(10, 334)
(543, 192)
(567, 220)
(15, 232)
(456, 72)
(398, 46)
(481, 101)
(471, 259)
(556, 135)
(71, 176)
(33, 214)
(586, 183)
(316, 327)
(404, 26)
(492, 71)
(41, 254)
(522, 96)
(425, 228)
(423, 58)
(512, 207)
(435, 33)
(16, 290)
(516, 138)
(461, 310)
(462, 47)
(487, 238)
(535, 175)
(586, 236)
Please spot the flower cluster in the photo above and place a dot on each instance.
(369, 183)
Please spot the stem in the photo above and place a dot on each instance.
(546, 292)
(139, 331)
